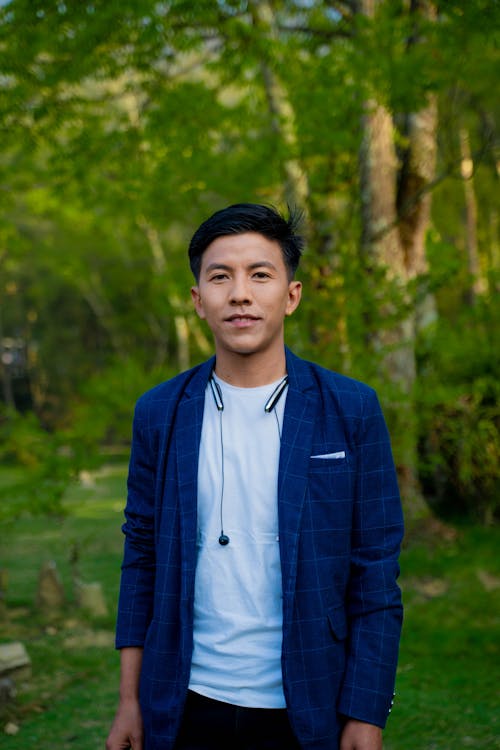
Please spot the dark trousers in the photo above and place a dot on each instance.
(212, 725)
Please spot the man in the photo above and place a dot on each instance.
(259, 607)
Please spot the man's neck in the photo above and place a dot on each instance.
(250, 370)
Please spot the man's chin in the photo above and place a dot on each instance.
(243, 350)
(246, 347)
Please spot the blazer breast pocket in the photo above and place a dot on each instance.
(328, 462)
(330, 480)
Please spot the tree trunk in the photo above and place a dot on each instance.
(184, 328)
(7, 390)
(395, 218)
(296, 189)
(414, 203)
(477, 285)
(92, 291)
(383, 248)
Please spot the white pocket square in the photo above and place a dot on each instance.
(338, 454)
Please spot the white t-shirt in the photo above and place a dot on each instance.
(238, 593)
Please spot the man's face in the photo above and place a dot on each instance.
(244, 294)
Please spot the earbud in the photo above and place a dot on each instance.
(276, 395)
(217, 394)
(223, 540)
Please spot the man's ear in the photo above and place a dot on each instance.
(198, 305)
(294, 296)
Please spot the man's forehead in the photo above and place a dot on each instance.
(242, 246)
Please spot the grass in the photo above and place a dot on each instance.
(447, 685)
(70, 701)
(448, 677)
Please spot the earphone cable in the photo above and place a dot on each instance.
(222, 535)
(277, 423)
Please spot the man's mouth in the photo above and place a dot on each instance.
(242, 321)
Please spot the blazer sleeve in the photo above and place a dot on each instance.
(374, 607)
(138, 568)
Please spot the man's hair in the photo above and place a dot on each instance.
(250, 217)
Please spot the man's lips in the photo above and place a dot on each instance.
(242, 321)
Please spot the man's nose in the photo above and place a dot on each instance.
(240, 291)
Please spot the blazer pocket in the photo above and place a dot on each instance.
(336, 456)
(338, 622)
(319, 464)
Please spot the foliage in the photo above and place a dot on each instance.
(41, 467)
(459, 397)
(103, 414)
(461, 453)
(43, 462)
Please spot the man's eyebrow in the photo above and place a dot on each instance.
(262, 263)
(216, 267)
(224, 267)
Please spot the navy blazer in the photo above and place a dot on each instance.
(340, 528)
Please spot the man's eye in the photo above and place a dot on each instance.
(261, 275)
(218, 277)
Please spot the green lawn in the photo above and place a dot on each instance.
(448, 677)
(71, 699)
(447, 688)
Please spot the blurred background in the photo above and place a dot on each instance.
(123, 126)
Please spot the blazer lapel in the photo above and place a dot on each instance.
(189, 421)
(296, 441)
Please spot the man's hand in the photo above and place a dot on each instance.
(126, 731)
(358, 735)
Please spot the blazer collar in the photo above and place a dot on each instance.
(197, 384)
